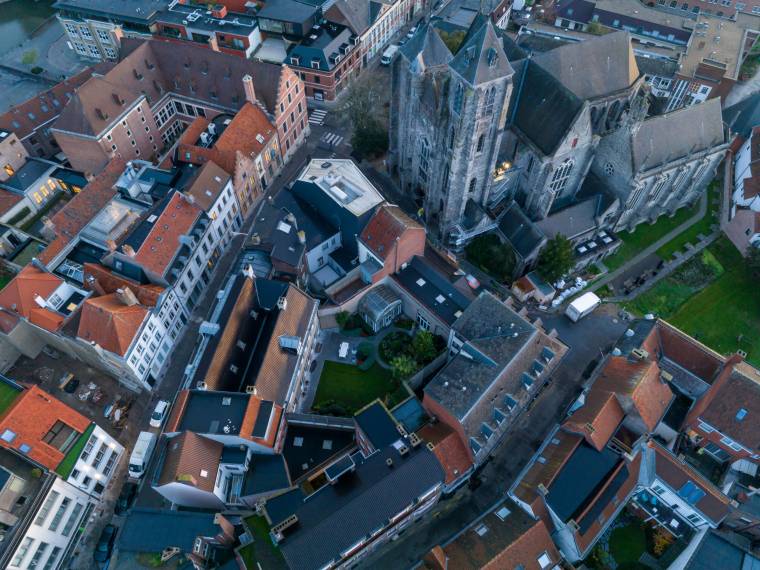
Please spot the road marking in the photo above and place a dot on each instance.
(333, 139)
(317, 117)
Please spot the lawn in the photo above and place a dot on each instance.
(627, 544)
(8, 395)
(728, 308)
(723, 314)
(261, 551)
(645, 235)
(67, 465)
(351, 388)
(703, 226)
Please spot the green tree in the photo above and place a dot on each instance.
(753, 260)
(556, 259)
(403, 366)
(492, 256)
(423, 347)
(365, 105)
(370, 140)
(342, 318)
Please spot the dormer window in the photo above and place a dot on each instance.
(315, 64)
(295, 61)
(492, 57)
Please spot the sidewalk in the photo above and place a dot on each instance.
(644, 253)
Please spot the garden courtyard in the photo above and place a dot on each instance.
(379, 369)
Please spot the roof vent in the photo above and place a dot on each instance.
(227, 401)
(389, 462)
(259, 139)
(282, 303)
(250, 389)
(639, 354)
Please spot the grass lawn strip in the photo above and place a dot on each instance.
(627, 544)
(703, 226)
(66, 466)
(352, 388)
(261, 550)
(645, 235)
(8, 395)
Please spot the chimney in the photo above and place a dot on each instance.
(111, 245)
(250, 92)
(126, 296)
(128, 250)
(219, 11)
(94, 285)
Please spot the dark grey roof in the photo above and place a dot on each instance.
(494, 335)
(28, 174)
(544, 109)
(209, 411)
(132, 11)
(308, 446)
(339, 515)
(535, 43)
(722, 551)
(153, 530)
(436, 293)
(358, 14)
(234, 454)
(378, 425)
(262, 419)
(595, 67)
(576, 10)
(286, 11)
(580, 479)
(665, 138)
(572, 221)
(426, 49)
(330, 38)
(523, 235)
(266, 473)
(411, 415)
(482, 58)
(511, 49)
(743, 116)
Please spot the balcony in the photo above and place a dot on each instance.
(666, 516)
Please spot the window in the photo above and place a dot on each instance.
(46, 506)
(544, 560)
(490, 98)
(72, 520)
(21, 552)
(481, 142)
(458, 98)
(99, 456)
(472, 185)
(61, 436)
(52, 558)
(59, 514)
(560, 176)
(423, 322)
(8, 436)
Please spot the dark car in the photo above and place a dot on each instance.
(105, 544)
(126, 498)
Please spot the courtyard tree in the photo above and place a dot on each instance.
(753, 260)
(403, 366)
(365, 105)
(556, 259)
(423, 347)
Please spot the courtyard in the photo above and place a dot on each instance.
(346, 388)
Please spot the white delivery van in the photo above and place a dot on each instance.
(138, 461)
(389, 54)
(582, 306)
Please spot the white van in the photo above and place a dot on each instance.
(138, 461)
(582, 306)
(389, 54)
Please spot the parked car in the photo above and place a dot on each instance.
(105, 544)
(411, 32)
(126, 498)
(159, 414)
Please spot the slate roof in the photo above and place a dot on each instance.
(595, 67)
(153, 530)
(717, 550)
(481, 58)
(573, 221)
(678, 134)
(425, 49)
(523, 235)
(743, 116)
(544, 109)
(110, 323)
(339, 515)
(436, 293)
(266, 473)
(188, 455)
(377, 424)
(28, 174)
(359, 15)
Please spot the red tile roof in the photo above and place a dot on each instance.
(8, 200)
(598, 419)
(387, 224)
(178, 410)
(239, 136)
(162, 243)
(110, 323)
(31, 417)
(249, 421)
(19, 296)
(208, 184)
(189, 457)
(42, 106)
(666, 340)
(80, 210)
(106, 281)
(450, 450)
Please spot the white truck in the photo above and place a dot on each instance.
(582, 306)
(389, 54)
(138, 461)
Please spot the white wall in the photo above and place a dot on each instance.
(187, 495)
(317, 256)
(98, 462)
(54, 525)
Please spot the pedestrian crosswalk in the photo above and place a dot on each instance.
(331, 139)
(317, 117)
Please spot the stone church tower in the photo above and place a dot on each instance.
(447, 119)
